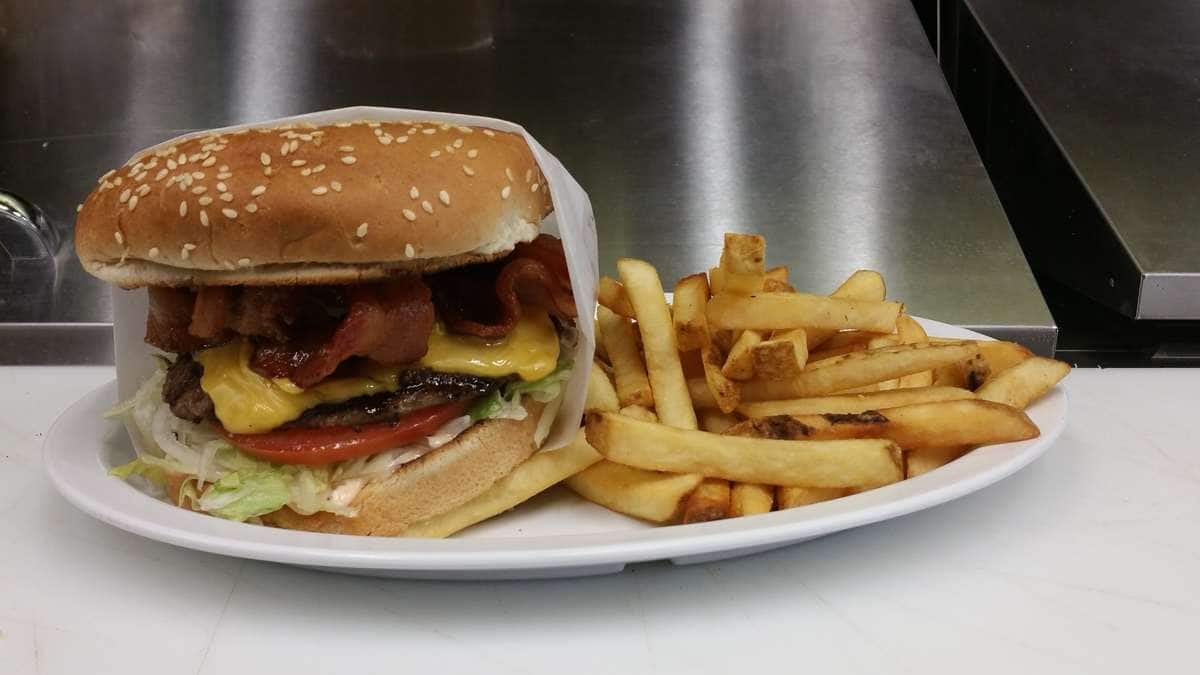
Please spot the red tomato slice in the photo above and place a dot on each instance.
(333, 444)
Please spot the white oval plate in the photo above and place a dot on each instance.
(554, 535)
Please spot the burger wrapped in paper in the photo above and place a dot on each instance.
(349, 321)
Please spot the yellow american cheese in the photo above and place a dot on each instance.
(246, 402)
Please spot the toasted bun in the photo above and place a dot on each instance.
(312, 205)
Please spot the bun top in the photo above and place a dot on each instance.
(300, 204)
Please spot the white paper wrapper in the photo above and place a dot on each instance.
(572, 221)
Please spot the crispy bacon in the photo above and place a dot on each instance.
(169, 318)
(486, 300)
(210, 312)
(389, 323)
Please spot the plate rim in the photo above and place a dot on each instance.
(80, 478)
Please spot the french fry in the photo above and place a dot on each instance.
(534, 475)
(782, 357)
(600, 392)
(639, 412)
(924, 460)
(791, 497)
(726, 392)
(858, 369)
(611, 294)
(749, 460)
(911, 332)
(741, 265)
(1024, 383)
(922, 425)
(853, 403)
(775, 286)
(672, 402)
(709, 501)
(748, 499)
(629, 371)
(739, 364)
(650, 495)
(691, 325)
(702, 396)
(967, 374)
(1001, 356)
(846, 338)
(841, 350)
(771, 311)
(723, 339)
(777, 273)
(862, 285)
(715, 421)
(883, 341)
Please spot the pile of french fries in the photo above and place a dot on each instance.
(745, 396)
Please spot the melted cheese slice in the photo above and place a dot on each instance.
(530, 350)
(246, 402)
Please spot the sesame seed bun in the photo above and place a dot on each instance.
(305, 204)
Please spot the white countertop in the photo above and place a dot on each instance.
(1087, 561)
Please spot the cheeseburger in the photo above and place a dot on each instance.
(360, 324)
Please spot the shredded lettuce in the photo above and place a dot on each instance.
(137, 467)
(506, 404)
(240, 496)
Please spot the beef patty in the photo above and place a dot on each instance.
(417, 388)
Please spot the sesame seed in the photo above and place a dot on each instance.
(320, 190)
(133, 202)
(209, 162)
(427, 206)
(204, 217)
(466, 130)
(458, 142)
(223, 168)
(508, 174)
(107, 174)
(402, 139)
(189, 247)
(141, 176)
(337, 187)
(361, 231)
(472, 153)
(346, 148)
(182, 209)
(386, 140)
(172, 165)
(119, 237)
(298, 162)
(450, 149)
(303, 137)
(505, 192)
(283, 149)
(534, 187)
(414, 192)
(258, 190)
(411, 131)
(528, 175)
(436, 153)
(268, 171)
(243, 262)
(373, 125)
(408, 250)
(429, 132)
(306, 171)
(409, 215)
(251, 207)
(198, 175)
(221, 187)
(224, 175)
(468, 170)
(78, 208)
(292, 147)
(153, 252)
(349, 159)
(124, 195)
(118, 181)
(184, 253)
(226, 196)
(343, 125)
(265, 159)
(318, 168)
(444, 197)
(182, 159)
(379, 132)
(162, 173)
(205, 200)
(444, 126)
(229, 213)
(488, 132)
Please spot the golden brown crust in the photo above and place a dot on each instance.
(431, 485)
(340, 196)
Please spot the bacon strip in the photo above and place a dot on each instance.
(486, 300)
(169, 318)
(211, 312)
(389, 323)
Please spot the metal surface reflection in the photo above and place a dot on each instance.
(824, 125)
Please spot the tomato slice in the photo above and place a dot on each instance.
(334, 444)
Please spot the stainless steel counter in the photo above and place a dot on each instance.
(1117, 85)
(826, 126)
